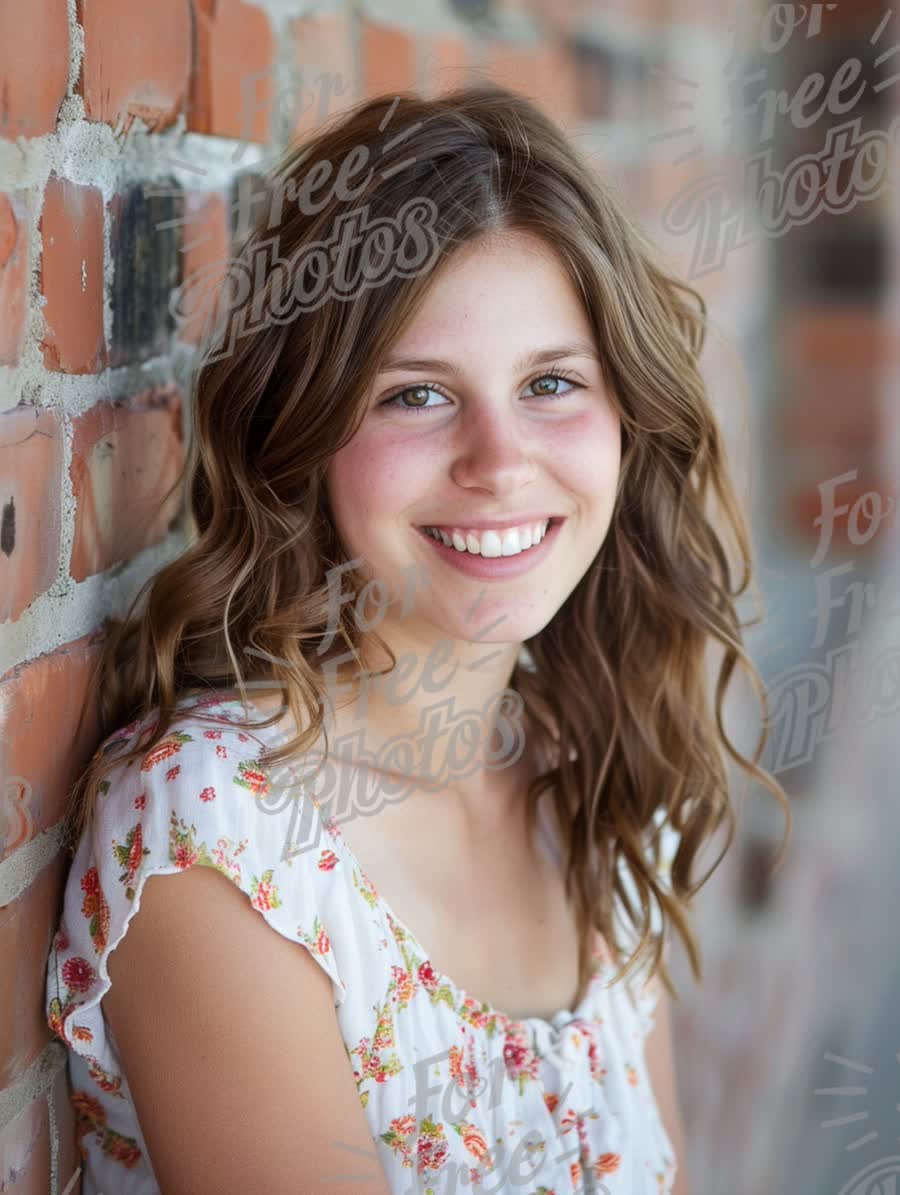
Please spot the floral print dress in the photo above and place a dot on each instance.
(457, 1094)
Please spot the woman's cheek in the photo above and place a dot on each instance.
(587, 450)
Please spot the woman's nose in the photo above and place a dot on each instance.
(496, 452)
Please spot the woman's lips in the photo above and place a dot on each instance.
(496, 567)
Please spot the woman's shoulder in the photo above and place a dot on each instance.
(198, 797)
(207, 777)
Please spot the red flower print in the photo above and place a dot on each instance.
(432, 1146)
(327, 861)
(221, 752)
(140, 802)
(185, 857)
(331, 827)
(134, 855)
(242, 737)
(404, 1124)
(95, 907)
(62, 939)
(264, 892)
(575, 1171)
(607, 1164)
(551, 1101)
(56, 1015)
(253, 778)
(456, 1056)
(208, 793)
(212, 734)
(427, 977)
(164, 750)
(383, 1037)
(88, 1107)
(102, 1078)
(474, 1141)
(124, 1150)
(518, 1056)
(173, 772)
(323, 945)
(82, 1033)
(78, 974)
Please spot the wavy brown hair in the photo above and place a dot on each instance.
(617, 692)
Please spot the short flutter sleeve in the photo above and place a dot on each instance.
(199, 798)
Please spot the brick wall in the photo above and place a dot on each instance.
(129, 133)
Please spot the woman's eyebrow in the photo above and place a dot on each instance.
(578, 348)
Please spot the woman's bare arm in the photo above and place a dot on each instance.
(232, 1050)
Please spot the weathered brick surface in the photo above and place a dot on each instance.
(34, 67)
(71, 277)
(125, 456)
(233, 85)
(31, 461)
(15, 231)
(137, 61)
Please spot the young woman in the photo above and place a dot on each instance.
(428, 688)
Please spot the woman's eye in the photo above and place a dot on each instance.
(552, 377)
(421, 393)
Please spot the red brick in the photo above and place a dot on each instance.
(446, 62)
(25, 1151)
(27, 926)
(206, 253)
(839, 406)
(850, 335)
(39, 769)
(388, 58)
(561, 16)
(544, 73)
(804, 505)
(71, 277)
(31, 463)
(325, 83)
(594, 80)
(232, 90)
(512, 65)
(560, 85)
(15, 232)
(34, 69)
(124, 458)
(137, 61)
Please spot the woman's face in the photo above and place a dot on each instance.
(487, 438)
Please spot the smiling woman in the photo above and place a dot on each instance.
(505, 454)
(509, 410)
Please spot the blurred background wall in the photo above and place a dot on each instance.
(755, 142)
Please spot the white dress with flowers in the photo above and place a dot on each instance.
(457, 1094)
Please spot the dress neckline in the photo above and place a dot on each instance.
(555, 1023)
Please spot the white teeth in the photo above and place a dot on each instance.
(492, 543)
